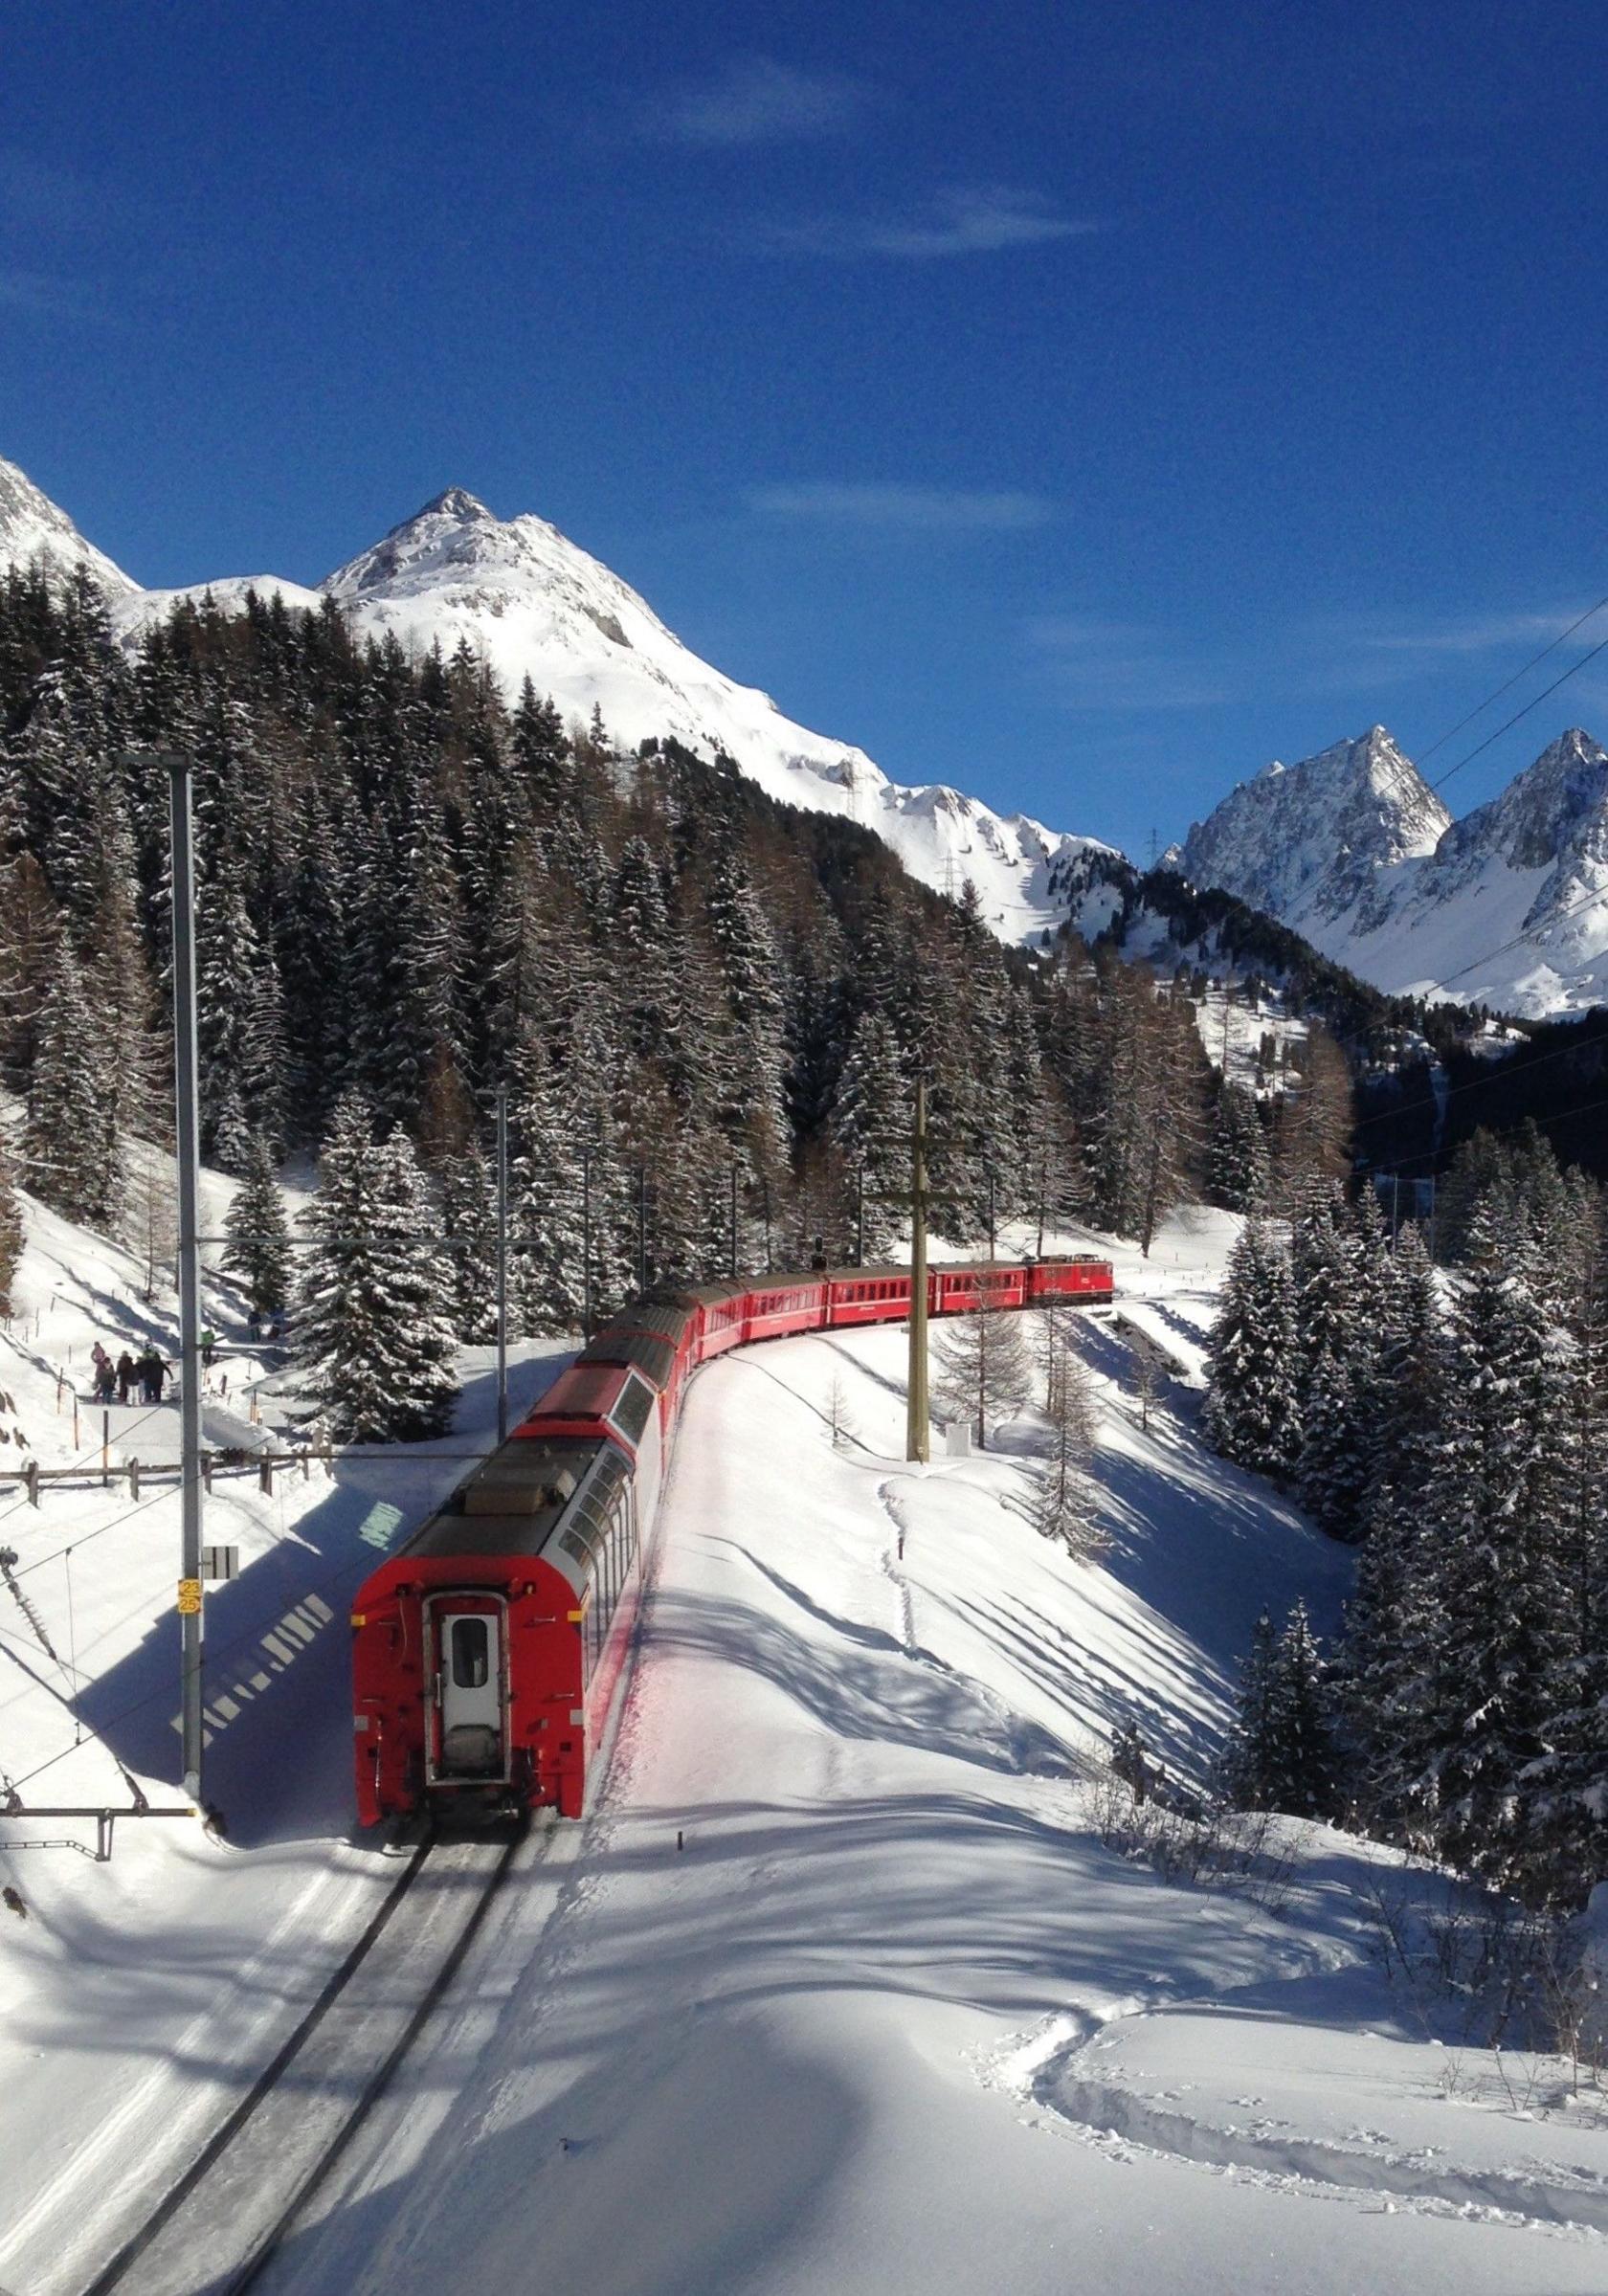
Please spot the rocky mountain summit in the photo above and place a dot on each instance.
(1507, 907)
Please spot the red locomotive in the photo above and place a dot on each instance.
(488, 1651)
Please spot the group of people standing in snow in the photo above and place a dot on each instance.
(130, 1378)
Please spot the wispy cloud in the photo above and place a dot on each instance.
(915, 509)
(963, 220)
(754, 99)
(1094, 664)
(1472, 634)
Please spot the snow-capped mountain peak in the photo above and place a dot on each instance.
(32, 529)
(1306, 841)
(1508, 906)
(531, 603)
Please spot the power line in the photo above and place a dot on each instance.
(1437, 1099)
(1452, 731)
(1507, 726)
(1428, 1155)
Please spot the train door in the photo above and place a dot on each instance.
(470, 1652)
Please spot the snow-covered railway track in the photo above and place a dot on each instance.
(248, 2189)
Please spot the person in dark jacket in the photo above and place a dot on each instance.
(125, 1375)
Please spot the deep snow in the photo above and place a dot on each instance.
(892, 2017)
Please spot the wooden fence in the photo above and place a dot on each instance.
(138, 1478)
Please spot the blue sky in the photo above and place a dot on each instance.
(1081, 404)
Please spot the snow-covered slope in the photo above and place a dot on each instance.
(31, 528)
(848, 1979)
(1508, 906)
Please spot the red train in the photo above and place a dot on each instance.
(488, 1650)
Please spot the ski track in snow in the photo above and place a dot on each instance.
(1046, 2070)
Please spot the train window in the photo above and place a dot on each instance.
(471, 1653)
(630, 1413)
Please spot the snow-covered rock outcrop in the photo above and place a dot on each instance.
(1508, 906)
(32, 529)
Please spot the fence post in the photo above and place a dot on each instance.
(207, 1472)
(105, 1450)
(133, 1479)
(265, 1474)
(32, 1471)
(76, 1436)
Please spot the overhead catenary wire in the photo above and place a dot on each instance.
(1591, 655)
(1432, 1154)
(1508, 685)
(1479, 747)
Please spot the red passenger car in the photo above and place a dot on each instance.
(488, 1652)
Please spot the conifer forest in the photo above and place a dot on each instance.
(707, 1011)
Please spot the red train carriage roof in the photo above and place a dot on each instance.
(615, 1394)
(510, 1506)
(644, 1351)
(666, 1311)
(550, 1500)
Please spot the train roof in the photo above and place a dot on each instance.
(538, 1498)
(513, 1504)
(644, 1351)
(664, 1313)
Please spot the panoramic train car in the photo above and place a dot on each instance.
(488, 1651)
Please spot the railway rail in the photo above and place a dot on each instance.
(248, 2190)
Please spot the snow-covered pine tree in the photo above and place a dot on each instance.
(1306, 1780)
(753, 1114)
(1252, 1414)
(468, 1195)
(1565, 1790)
(1339, 1268)
(548, 1192)
(1246, 1765)
(983, 1368)
(871, 1124)
(258, 1250)
(1391, 1622)
(1240, 1164)
(70, 1152)
(373, 1327)
(30, 940)
(1281, 1754)
(11, 1227)
(1493, 1525)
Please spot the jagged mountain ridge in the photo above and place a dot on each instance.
(535, 604)
(1352, 848)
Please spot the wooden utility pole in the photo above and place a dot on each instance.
(918, 1439)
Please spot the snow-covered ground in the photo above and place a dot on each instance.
(839, 1988)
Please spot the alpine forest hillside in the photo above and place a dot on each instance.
(708, 1008)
